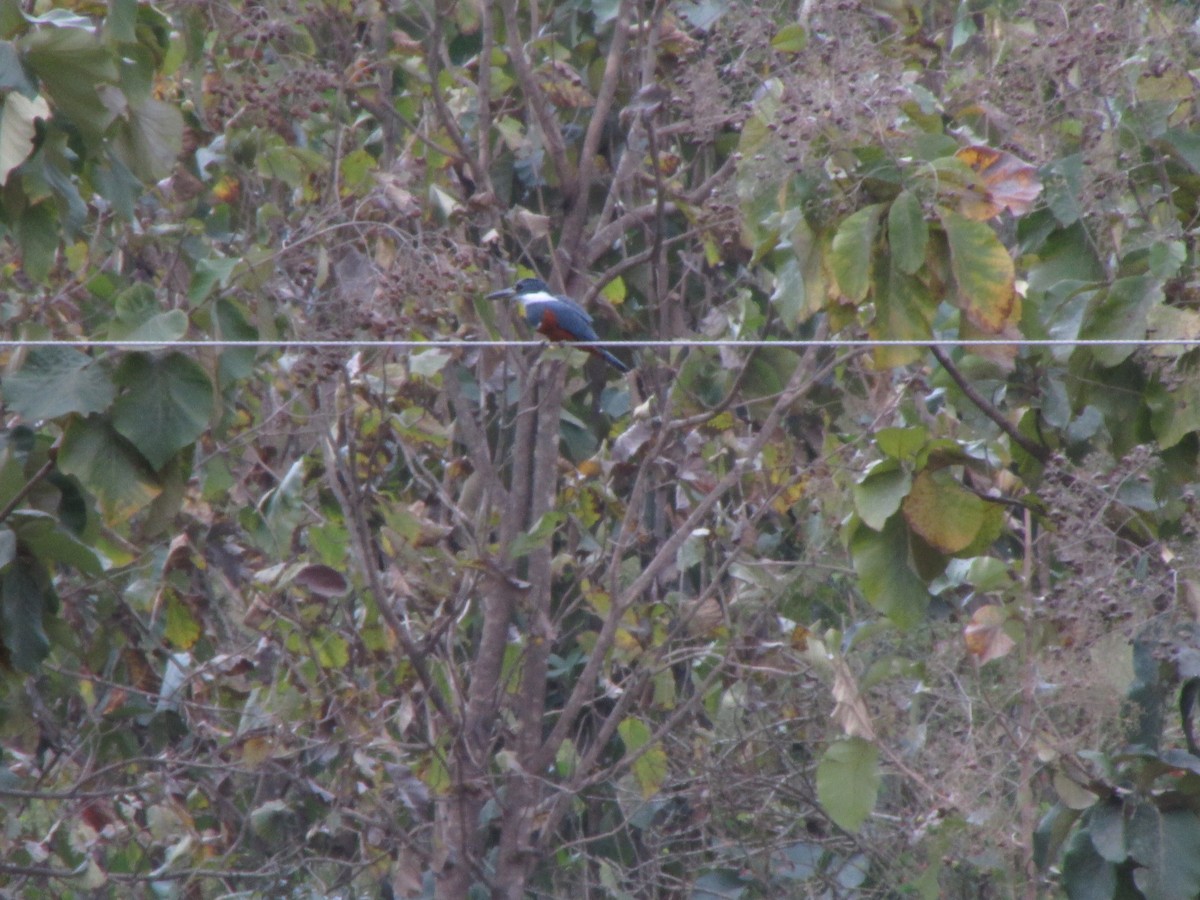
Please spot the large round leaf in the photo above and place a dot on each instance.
(166, 407)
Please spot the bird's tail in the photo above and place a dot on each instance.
(609, 358)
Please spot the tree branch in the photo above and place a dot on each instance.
(571, 248)
(535, 96)
(1030, 446)
(801, 381)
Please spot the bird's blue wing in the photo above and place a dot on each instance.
(568, 316)
(575, 320)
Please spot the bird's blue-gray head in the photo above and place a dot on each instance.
(530, 286)
(523, 288)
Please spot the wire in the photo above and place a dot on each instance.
(456, 343)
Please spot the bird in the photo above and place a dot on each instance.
(558, 318)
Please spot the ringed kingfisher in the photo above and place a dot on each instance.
(558, 318)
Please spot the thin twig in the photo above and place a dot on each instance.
(1030, 446)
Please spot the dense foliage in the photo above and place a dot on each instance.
(777, 614)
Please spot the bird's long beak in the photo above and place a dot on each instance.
(500, 294)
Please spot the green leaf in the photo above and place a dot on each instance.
(72, 508)
(234, 363)
(1085, 873)
(904, 311)
(908, 232)
(116, 184)
(8, 546)
(768, 371)
(538, 536)
(357, 167)
(332, 651)
(1054, 828)
(209, 273)
(788, 296)
(649, 769)
(634, 734)
(55, 164)
(26, 600)
(885, 573)
(1187, 145)
(37, 236)
(879, 494)
(56, 381)
(41, 534)
(135, 307)
(1107, 830)
(12, 73)
(902, 443)
(72, 64)
(119, 24)
(1067, 255)
(1174, 415)
(167, 405)
(1167, 844)
(790, 38)
(162, 327)
(850, 255)
(152, 139)
(105, 463)
(848, 781)
(1166, 259)
(1071, 793)
(428, 363)
(1121, 311)
(273, 821)
(983, 271)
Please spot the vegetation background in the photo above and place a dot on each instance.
(775, 620)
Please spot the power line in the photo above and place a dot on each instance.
(458, 343)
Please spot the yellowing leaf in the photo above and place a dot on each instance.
(589, 468)
(650, 771)
(983, 271)
(650, 768)
(790, 38)
(624, 640)
(180, 626)
(256, 750)
(943, 512)
(789, 496)
(95, 454)
(614, 292)
(850, 254)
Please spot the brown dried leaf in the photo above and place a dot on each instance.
(985, 636)
(849, 711)
(1007, 182)
(322, 580)
(563, 85)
